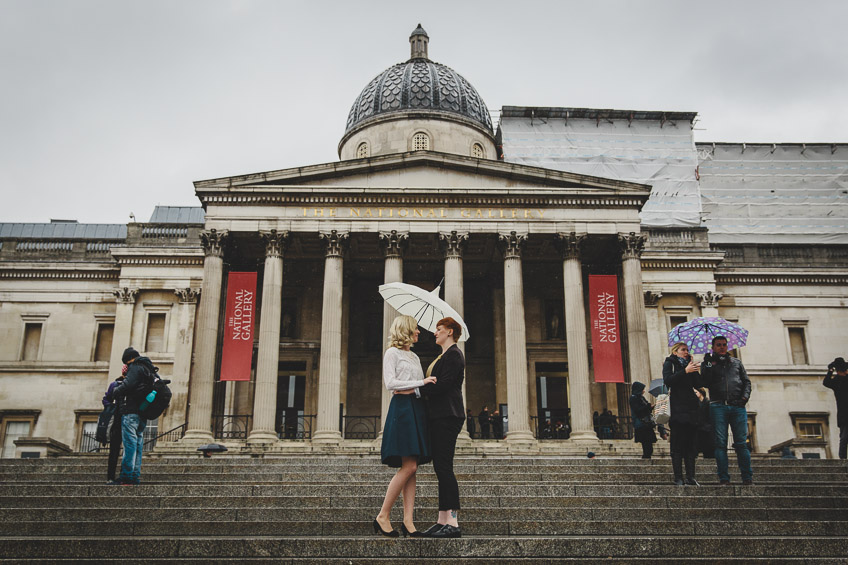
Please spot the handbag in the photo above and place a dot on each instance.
(662, 409)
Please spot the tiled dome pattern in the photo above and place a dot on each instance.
(419, 84)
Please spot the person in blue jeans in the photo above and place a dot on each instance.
(730, 390)
(129, 395)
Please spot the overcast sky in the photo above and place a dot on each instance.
(111, 107)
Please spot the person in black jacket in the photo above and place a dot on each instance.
(680, 375)
(730, 390)
(706, 434)
(129, 395)
(115, 429)
(446, 414)
(839, 385)
(485, 422)
(643, 424)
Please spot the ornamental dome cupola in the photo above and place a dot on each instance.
(418, 105)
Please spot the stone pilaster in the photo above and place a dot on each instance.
(265, 396)
(575, 336)
(709, 303)
(122, 332)
(516, 341)
(186, 311)
(394, 243)
(200, 395)
(329, 376)
(453, 244)
(657, 337)
(631, 246)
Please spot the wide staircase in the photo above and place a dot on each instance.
(318, 509)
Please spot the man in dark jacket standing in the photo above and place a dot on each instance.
(115, 431)
(839, 385)
(129, 395)
(730, 390)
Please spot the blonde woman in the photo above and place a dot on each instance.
(406, 443)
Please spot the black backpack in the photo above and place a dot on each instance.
(152, 410)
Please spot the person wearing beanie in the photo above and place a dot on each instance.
(838, 383)
(129, 395)
(643, 424)
(129, 355)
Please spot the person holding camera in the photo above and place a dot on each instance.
(730, 389)
(838, 383)
(680, 374)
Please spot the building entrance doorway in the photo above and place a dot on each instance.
(291, 422)
(554, 415)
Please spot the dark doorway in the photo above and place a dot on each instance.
(291, 423)
(554, 418)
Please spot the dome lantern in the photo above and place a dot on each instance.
(418, 41)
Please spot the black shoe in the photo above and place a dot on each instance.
(678, 482)
(432, 530)
(447, 531)
(114, 482)
(748, 482)
(378, 529)
(692, 482)
(724, 483)
(405, 532)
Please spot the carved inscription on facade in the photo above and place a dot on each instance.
(425, 213)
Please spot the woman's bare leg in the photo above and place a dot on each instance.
(409, 465)
(409, 503)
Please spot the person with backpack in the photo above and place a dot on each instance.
(130, 394)
(115, 429)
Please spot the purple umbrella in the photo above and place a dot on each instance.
(698, 334)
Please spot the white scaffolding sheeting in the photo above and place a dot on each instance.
(775, 193)
(644, 151)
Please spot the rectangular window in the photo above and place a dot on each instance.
(87, 437)
(13, 430)
(32, 341)
(103, 342)
(155, 332)
(798, 346)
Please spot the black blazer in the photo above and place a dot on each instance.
(444, 397)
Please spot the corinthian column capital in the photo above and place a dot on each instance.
(453, 243)
(335, 241)
(275, 242)
(511, 244)
(709, 299)
(569, 244)
(631, 245)
(188, 295)
(652, 299)
(214, 241)
(125, 294)
(394, 242)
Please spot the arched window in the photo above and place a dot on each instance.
(420, 142)
(362, 150)
(477, 151)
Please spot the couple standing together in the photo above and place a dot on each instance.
(424, 419)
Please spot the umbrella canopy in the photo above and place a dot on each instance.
(698, 334)
(657, 387)
(426, 307)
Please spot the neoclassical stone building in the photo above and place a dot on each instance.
(513, 220)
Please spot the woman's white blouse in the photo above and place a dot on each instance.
(402, 370)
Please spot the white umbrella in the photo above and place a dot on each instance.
(426, 307)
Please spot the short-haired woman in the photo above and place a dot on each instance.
(405, 437)
(681, 375)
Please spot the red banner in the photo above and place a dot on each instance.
(606, 338)
(238, 327)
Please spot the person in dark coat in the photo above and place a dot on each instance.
(115, 430)
(643, 425)
(129, 395)
(470, 423)
(839, 385)
(485, 422)
(681, 376)
(497, 424)
(706, 434)
(446, 415)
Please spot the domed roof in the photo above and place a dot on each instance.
(419, 84)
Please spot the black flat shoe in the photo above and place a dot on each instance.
(447, 531)
(692, 482)
(432, 530)
(378, 529)
(405, 532)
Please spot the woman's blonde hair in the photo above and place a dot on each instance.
(401, 331)
(678, 345)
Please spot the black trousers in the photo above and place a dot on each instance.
(443, 434)
(114, 448)
(684, 440)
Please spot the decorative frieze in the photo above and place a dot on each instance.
(214, 242)
(125, 294)
(188, 295)
(453, 243)
(105, 275)
(775, 279)
(709, 299)
(275, 242)
(569, 244)
(163, 260)
(631, 245)
(652, 299)
(394, 242)
(511, 244)
(335, 241)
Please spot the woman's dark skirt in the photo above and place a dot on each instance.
(405, 433)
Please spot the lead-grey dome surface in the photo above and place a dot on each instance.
(419, 84)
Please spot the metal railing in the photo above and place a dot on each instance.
(297, 428)
(548, 427)
(620, 428)
(231, 426)
(171, 435)
(361, 427)
(89, 444)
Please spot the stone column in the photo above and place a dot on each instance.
(575, 338)
(329, 375)
(176, 413)
(393, 244)
(267, 364)
(657, 338)
(516, 341)
(122, 332)
(631, 246)
(709, 303)
(200, 394)
(453, 244)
